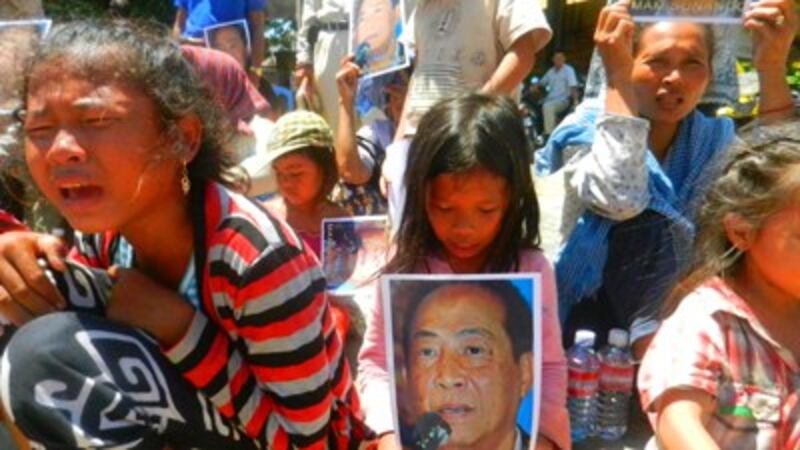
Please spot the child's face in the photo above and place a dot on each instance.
(95, 150)
(772, 257)
(466, 212)
(300, 179)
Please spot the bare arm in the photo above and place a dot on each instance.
(351, 169)
(180, 23)
(516, 63)
(773, 23)
(682, 415)
(256, 21)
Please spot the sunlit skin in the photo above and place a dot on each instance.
(466, 212)
(376, 25)
(461, 366)
(670, 72)
(229, 40)
(94, 150)
(300, 180)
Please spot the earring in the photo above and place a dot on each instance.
(186, 185)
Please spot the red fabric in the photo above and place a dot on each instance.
(229, 83)
(10, 223)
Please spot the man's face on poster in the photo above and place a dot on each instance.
(461, 366)
(376, 24)
(229, 40)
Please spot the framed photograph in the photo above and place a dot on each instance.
(464, 354)
(701, 11)
(232, 38)
(353, 250)
(376, 27)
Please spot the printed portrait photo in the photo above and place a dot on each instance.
(354, 249)
(17, 40)
(465, 359)
(703, 11)
(375, 30)
(232, 38)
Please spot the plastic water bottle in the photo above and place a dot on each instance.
(583, 369)
(616, 386)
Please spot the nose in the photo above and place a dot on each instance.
(463, 225)
(66, 149)
(673, 77)
(449, 373)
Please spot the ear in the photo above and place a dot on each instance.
(526, 373)
(191, 135)
(739, 232)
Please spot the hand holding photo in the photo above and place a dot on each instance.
(375, 30)
(701, 11)
(464, 353)
(232, 38)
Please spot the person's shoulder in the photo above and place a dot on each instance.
(244, 226)
(534, 260)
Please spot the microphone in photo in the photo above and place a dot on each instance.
(430, 432)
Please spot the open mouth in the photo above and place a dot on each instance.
(79, 192)
(455, 412)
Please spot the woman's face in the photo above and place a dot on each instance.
(95, 150)
(671, 70)
(300, 179)
(229, 40)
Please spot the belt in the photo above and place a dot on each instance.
(334, 26)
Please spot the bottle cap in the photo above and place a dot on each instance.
(618, 338)
(584, 337)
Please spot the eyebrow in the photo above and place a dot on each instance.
(467, 332)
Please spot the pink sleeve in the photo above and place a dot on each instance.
(373, 381)
(553, 416)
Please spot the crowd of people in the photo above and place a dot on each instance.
(197, 225)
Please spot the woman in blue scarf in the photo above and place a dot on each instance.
(637, 162)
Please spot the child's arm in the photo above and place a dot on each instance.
(351, 169)
(180, 23)
(516, 63)
(681, 415)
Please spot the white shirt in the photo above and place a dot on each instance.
(559, 82)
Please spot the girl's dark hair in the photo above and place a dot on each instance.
(324, 159)
(141, 55)
(454, 136)
(761, 177)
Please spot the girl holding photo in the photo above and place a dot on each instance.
(471, 208)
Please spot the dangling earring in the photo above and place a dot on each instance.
(186, 185)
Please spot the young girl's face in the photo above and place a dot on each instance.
(466, 212)
(300, 179)
(773, 253)
(95, 150)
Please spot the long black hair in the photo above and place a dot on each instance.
(454, 136)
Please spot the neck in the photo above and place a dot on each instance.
(471, 265)
(163, 242)
(661, 137)
(762, 295)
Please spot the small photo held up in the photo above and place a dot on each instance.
(700, 11)
(353, 251)
(232, 38)
(376, 30)
(464, 354)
